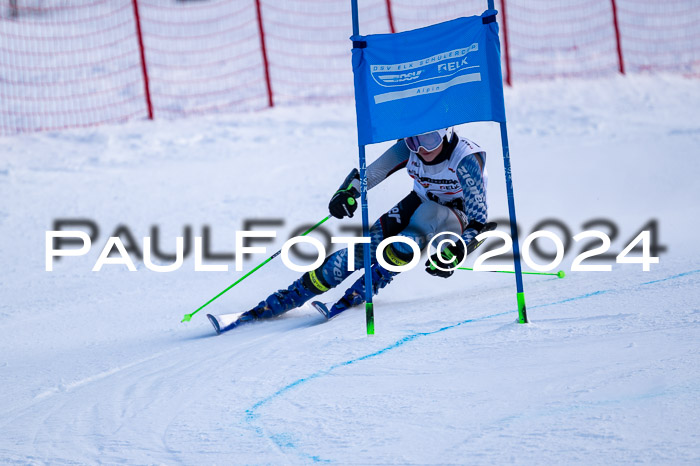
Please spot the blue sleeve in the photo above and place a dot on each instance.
(472, 182)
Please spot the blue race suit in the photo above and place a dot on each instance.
(449, 194)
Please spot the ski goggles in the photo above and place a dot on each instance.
(428, 141)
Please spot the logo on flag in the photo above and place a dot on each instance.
(435, 67)
(417, 81)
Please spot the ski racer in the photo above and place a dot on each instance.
(449, 195)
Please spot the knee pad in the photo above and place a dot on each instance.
(397, 255)
(314, 281)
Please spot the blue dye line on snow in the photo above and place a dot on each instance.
(576, 298)
(251, 415)
(287, 443)
(251, 412)
(672, 277)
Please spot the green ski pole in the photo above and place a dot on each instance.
(559, 274)
(187, 317)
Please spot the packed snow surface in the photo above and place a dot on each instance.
(96, 367)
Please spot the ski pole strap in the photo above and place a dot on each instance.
(447, 256)
(351, 184)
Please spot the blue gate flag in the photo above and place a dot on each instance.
(417, 81)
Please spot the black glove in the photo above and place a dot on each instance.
(343, 203)
(450, 257)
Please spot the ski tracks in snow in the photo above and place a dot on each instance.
(199, 397)
(134, 411)
(284, 441)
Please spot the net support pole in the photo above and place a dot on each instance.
(142, 54)
(369, 308)
(263, 50)
(620, 60)
(522, 312)
(390, 16)
(506, 51)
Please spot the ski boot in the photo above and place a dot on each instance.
(276, 304)
(294, 296)
(355, 295)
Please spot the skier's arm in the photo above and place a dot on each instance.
(343, 203)
(470, 175)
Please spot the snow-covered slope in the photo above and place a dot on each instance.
(96, 366)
